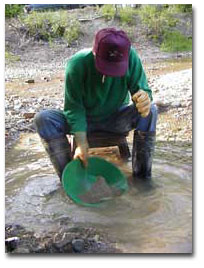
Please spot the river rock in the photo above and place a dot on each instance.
(176, 104)
(11, 243)
(96, 238)
(21, 121)
(65, 245)
(45, 78)
(78, 245)
(29, 115)
(30, 81)
(161, 103)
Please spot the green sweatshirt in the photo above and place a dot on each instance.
(88, 96)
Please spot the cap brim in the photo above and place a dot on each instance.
(111, 68)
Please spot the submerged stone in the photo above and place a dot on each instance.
(78, 245)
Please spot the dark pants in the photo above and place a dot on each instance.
(52, 124)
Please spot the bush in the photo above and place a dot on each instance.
(126, 15)
(108, 11)
(10, 57)
(72, 31)
(175, 42)
(49, 25)
(179, 8)
(157, 19)
(13, 10)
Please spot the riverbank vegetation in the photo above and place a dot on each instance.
(161, 24)
(11, 57)
(12, 10)
(50, 25)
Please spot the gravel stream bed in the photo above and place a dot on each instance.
(172, 93)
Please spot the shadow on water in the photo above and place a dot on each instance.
(152, 217)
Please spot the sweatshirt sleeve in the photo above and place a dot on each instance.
(137, 77)
(74, 110)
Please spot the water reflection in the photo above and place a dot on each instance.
(153, 217)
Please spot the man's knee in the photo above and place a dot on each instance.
(41, 118)
(51, 124)
(43, 124)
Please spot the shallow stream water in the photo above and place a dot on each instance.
(147, 219)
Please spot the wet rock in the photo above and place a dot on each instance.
(96, 237)
(64, 220)
(161, 103)
(185, 88)
(11, 243)
(13, 230)
(24, 101)
(16, 102)
(78, 245)
(74, 229)
(30, 81)
(93, 244)
(29, 115)
(64, 246)
(17, 108)
(189, 104)
(156, 90)
(176, 104)
(21, 121)
(47, 79)
(41, 99)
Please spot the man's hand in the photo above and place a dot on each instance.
(81, 151)
(142, 101)
(82, 154)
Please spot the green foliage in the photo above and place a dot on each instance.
(126, 15)
(108, 11)
(175, 42)
(12, 10)
(179, 8)
(49, 25)
(157, 19)
(72, 31)
(10, 57)
(160, 21)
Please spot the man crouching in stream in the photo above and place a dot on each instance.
(106, 90)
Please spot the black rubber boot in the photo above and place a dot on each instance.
(142, 154)
(59, 151)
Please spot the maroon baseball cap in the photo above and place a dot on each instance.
(111, 48)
